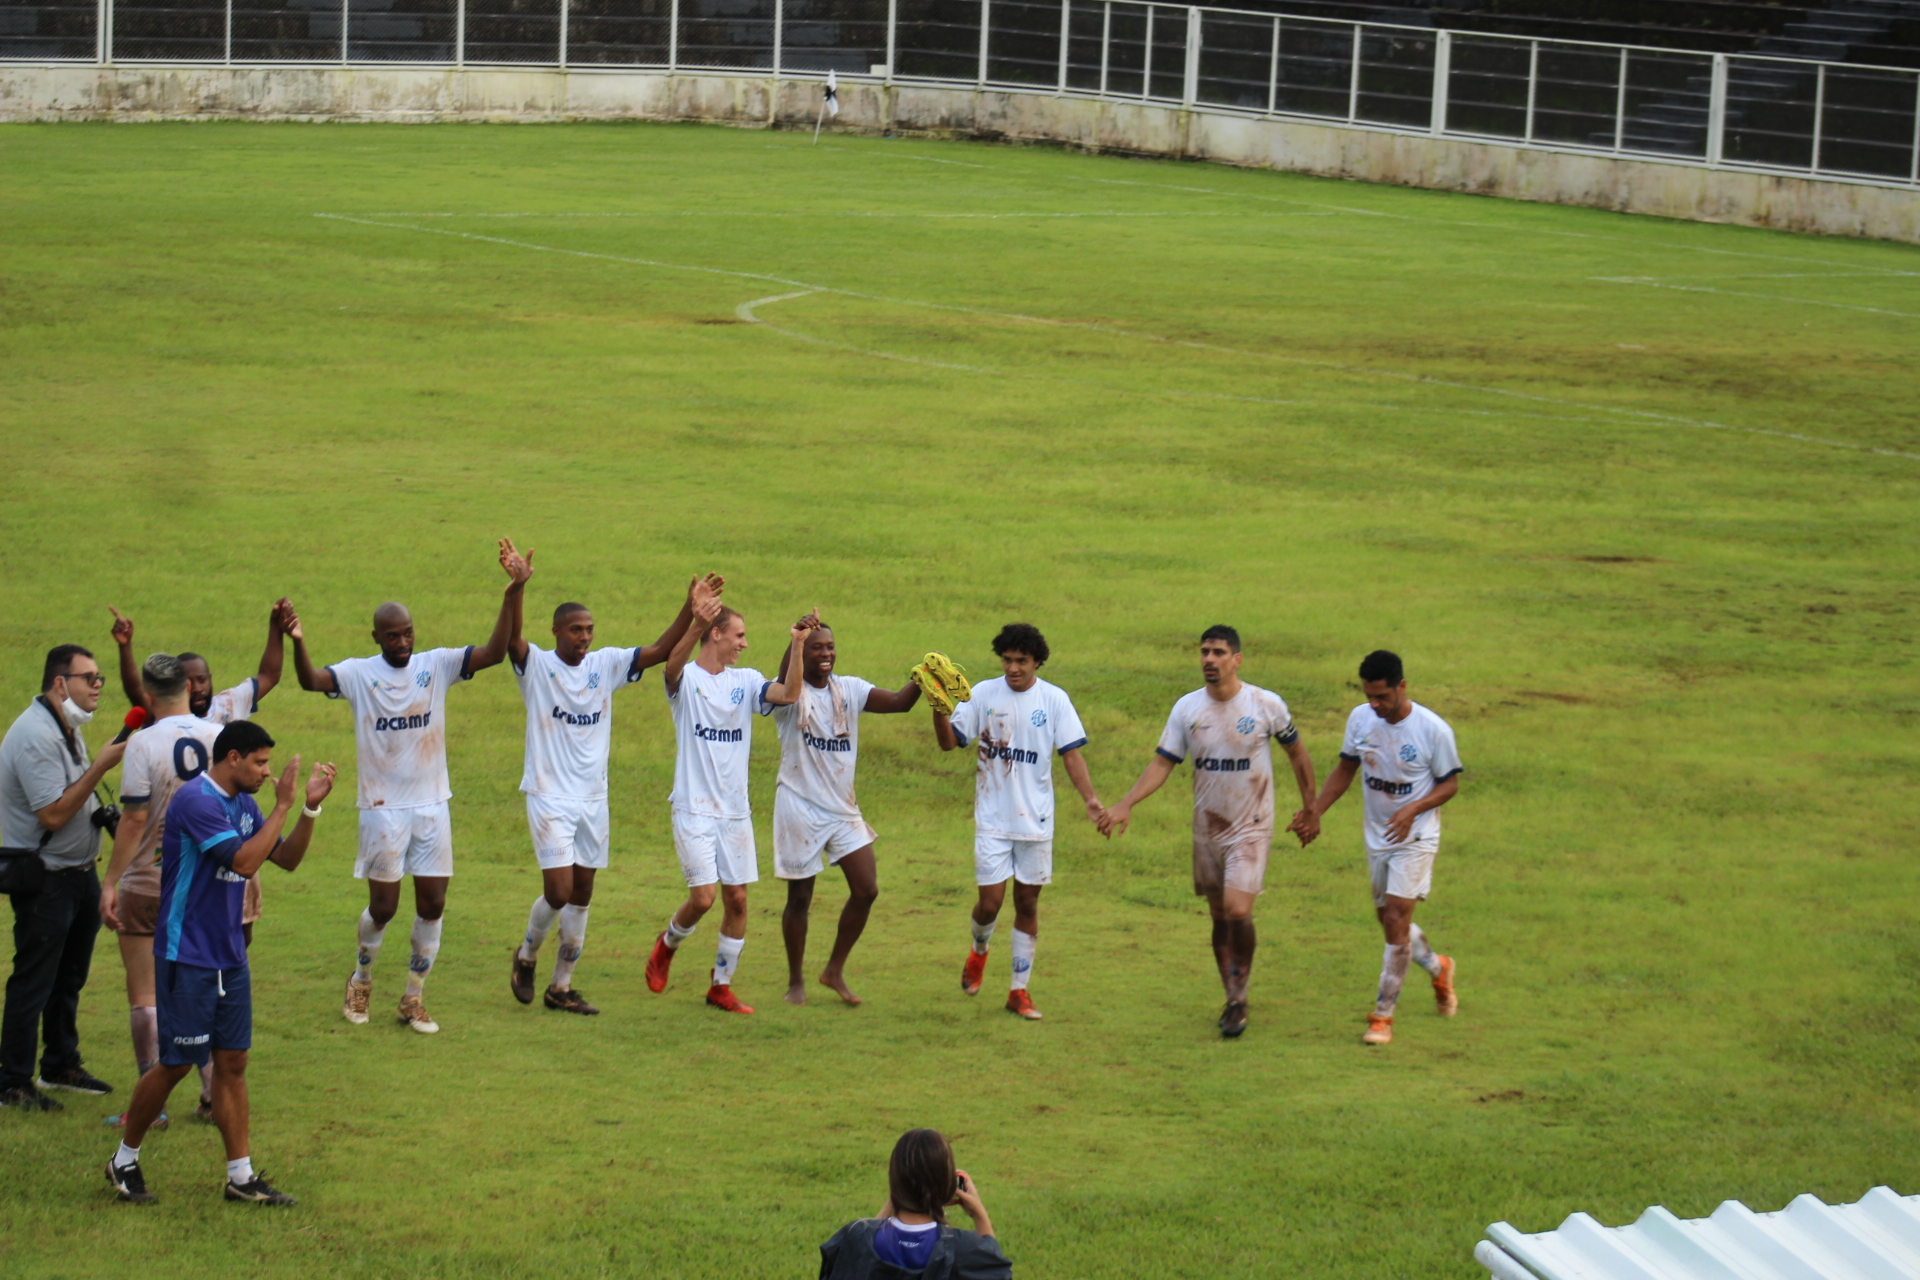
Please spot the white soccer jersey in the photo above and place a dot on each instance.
(237, 703)
(820, 743)
(1015, 736)
(399, 724)
(160, 759)
(713, 720)
(570, 719)
(1399, 763)
(1232, 765)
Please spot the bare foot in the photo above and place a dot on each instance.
(839, 986)
(797, 993)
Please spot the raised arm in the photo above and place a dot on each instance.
(888, 701)
(793, 671)
(705, 610)
(1114, 821)
(288, 853)
(273, 657)
(129, 669)
(320, 681)
(702, 589)
(1076, 763)
(506, 638)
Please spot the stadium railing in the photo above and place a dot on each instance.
(1837, 121)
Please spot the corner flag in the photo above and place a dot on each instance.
(830, 104)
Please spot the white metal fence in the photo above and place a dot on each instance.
(1835, 120)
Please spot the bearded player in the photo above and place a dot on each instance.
(1225, 726)
(817, 823)
(1016, 724)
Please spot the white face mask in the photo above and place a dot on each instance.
(73, 713)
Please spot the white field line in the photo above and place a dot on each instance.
(1651, 282)
(902, 155)
(864, 213)
(1136, 335)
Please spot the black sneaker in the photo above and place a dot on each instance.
(1233, 1020)
(129, 1183)
(569, 1001)
(520, 978)
(76, 1079)
(258, 1192)
(27, 1098)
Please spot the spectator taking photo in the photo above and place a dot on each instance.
(910, 1237)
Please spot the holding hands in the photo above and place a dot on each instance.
(519, 567)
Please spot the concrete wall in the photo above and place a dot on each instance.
(56, 92)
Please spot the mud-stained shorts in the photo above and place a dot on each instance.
(996, 858)
(1406, 872)
(394, 843)
(715, 850)
(1237, 864)
(568, 831)
(807, 839)
(140, 912)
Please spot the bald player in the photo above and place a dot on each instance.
(399, 699)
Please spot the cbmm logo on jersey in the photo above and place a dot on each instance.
(384, 723)
(717, 735)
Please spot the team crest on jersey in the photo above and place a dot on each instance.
(737, 694)
(424, 679)
(1039, 718)
(1245, 724)
(593, 680)
(246, 824)
(1409, 753)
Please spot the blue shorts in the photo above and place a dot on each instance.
(201, 1010)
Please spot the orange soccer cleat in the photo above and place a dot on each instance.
(723, 998)
(1021, 1003)
(1379, 1030)
(1443, 994)
(657, 965)
(973, 971)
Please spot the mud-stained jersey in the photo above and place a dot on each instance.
(570, 719)
(1399, 763)
(160, 759)
(713, 720)
(399, 725)
(1232, 765)
(820, 743)
(237, 703)
(1015, 737)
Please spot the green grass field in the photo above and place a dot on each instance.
(1639, 501)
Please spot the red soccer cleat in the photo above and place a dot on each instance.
(657, 965)
(973, 971)
(723, 998)
(1021, 1003)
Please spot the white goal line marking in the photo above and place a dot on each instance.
(1652, 282)
(806, 287)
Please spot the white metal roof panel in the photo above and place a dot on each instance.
(1875, 1238)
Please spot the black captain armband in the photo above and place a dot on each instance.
(1287, 736)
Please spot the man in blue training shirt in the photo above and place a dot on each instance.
(214, 839)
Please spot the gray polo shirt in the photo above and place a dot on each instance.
(35, 769)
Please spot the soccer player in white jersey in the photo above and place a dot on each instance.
(1406, 757)
(568, 693)
(714, 702)
(1016, 723)
(1225, 726)
(399, 701)
(817, 822)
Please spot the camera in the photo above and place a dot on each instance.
(106, 817)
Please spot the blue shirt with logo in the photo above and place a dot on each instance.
(201, 896)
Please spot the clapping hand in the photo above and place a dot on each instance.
(319, 783)
(519, 567)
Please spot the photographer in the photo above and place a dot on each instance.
(47, 807)
(911, 1236)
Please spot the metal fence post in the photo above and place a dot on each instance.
(1353, 79)
(1913, 162)
(1146, 60)
(1533, 82)
(1442, 77)
(1819, 111)
(1190, 88)
(1273, 70)
(985, 17)
(1620, 106)
(1066, 21)
(226, 38)
(893, 23)
(779, 32)
(1717, 110)
(563, 34)
(343, 31)
(100, 32)
(1106, 42)
(673, 36)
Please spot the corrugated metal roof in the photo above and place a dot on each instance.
(1876, 1238)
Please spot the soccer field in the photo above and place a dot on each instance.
(1638, 501)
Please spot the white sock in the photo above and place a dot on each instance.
(727, 961)
(426, 946)
(1423, 953)
(982, 934)
(371, 936)
(145, 1024)
(126, 1157)
(676, 935)
(1023, 945)
(240, 1172)
(573, 940)
(1393, 974)
(539, 920)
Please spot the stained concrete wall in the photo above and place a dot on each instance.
(68, 92)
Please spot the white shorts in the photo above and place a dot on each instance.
(803, 832)
(1402, 873)
(568, 831)
(1218, 867)
(715, 849)
(405, 842)
(996, 857)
